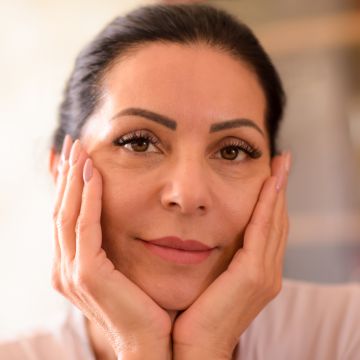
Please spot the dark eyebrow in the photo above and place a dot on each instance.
(161, 119)
(171, 124)
(229, 124)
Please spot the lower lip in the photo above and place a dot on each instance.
(178, 256)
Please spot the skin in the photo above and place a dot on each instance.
(229, 204)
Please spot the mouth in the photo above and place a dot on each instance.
(178, 251)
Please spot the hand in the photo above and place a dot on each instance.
(83, 273)
(210, 328)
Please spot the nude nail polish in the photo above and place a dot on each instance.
(75, 152)
(88, 170)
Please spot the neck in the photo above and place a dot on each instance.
(100, 344)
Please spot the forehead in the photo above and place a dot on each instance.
(194, 82)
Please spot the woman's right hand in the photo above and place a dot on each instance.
(135, 325)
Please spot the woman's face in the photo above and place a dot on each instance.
(186, 177)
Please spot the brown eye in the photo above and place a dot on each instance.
(138, 142)
(138, 145)
(231, 153)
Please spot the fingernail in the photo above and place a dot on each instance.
(65, 152)
(88, 170)
(75, 152)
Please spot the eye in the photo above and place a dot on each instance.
(238, 150)
(232, 153)
(138, 141)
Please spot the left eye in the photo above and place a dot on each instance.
(233, 153)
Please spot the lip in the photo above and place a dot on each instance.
(177, 243)
(179, 251)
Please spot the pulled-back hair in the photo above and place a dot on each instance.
(178, 23)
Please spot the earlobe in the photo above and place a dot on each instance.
(53, 163)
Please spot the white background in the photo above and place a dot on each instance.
(39, 41)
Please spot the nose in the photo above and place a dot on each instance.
(186, 189)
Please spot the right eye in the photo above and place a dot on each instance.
(138, 141)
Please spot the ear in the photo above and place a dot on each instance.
(53, 163)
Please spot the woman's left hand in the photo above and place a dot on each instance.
(210, 328)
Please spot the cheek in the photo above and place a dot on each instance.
(239, 202)
(121, 199)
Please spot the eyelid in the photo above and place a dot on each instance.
(138, 134)
(248, 147)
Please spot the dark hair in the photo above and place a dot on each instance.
(176, 23)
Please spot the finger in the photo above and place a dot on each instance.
(64, 155)
(60, 187)
(89, 235)
(275, 235)
(279, 257)
(257, 231)
(283, 214)
(70, 206)
(277, 231)
(62, 173)
(276, 165)
(56, 265)
(280, 252)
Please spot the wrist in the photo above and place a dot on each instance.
(187, 352)
(159, 350)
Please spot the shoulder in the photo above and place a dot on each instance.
(308, 320)
(311, 295)
(61, 338)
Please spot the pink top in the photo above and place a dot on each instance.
(305, 321)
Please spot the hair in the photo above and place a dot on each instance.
(177, 23)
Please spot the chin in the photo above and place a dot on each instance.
(174, 298)
(174, 292)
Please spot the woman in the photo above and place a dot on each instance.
(170, 220)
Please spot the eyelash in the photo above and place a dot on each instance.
(250, 150)
(243, 146)
(136, 136)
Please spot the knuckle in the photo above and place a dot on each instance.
(66, 279)
(81, 226)
(71, 175)
(264, 223)
(55, 281)
(63, 220)
(257, 278)
(274, 289)
(81, 280)
(278, 228)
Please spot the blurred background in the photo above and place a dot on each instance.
(316, 48)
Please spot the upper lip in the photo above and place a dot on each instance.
(177, 243)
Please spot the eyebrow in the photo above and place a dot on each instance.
(171, 124)
(161, 119)
(229, 124)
